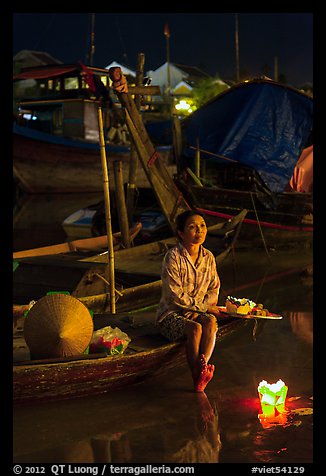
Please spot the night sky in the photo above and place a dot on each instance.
(205, 40)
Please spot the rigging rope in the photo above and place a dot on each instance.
(261, 231)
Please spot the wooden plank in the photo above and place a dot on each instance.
(177, 137)
(121, 204)
(98, 243)
(133, 151)
(168, 196)
(145, 90)
(132, 298)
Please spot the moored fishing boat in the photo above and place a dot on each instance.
(147, 354)
(46, 163)
(56, 133)
(85, 273)
(245, 148)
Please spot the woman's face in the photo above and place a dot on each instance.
(194, 232)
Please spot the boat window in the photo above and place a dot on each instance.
(70, 83)
(105, 80)
(84, 84)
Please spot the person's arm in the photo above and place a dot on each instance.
(174, 288)
(211, 297)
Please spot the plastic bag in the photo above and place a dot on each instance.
(110, 340)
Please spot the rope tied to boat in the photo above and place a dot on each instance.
(260, 229)
(107, 282)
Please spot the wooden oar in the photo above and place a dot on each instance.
(95, 243)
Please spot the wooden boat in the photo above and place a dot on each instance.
(292, 223)
(96, 244)
(90, 221)
(85, 274)
(241, 150)
(45, 163)
(56, 135)
(147, 354)
(144, 261)
(79, 223)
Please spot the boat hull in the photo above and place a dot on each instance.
(68, 166)
(38, 274)
(93, 375)
(288, 222)
(55, 381)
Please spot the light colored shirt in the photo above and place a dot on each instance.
(186, 286)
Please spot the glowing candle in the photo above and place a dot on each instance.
(272, 394)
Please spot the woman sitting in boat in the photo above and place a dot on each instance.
(190, 289)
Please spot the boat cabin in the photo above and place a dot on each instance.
(56, 99)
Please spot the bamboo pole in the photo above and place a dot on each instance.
(121, 203)
(133, 150)
(212, 154)
(177, 137)
(194, 176)
(197, 166)
(107, 212)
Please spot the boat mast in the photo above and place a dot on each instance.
(92, 40)
(237, 48)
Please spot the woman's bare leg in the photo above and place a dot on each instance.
(193, 333)
(207, 344)
(201, 337)
(208, 340)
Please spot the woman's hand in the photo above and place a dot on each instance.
(215, 310)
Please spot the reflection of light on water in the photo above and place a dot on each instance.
(272, 415)
(302, 325)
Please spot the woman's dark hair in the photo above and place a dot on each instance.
(183, 217)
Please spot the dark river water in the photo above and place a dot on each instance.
(161, 420)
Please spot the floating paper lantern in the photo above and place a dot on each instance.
(272, 394)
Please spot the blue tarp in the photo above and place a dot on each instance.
(261, 124)
(160, 132)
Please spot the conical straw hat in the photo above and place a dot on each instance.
(58, 325)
